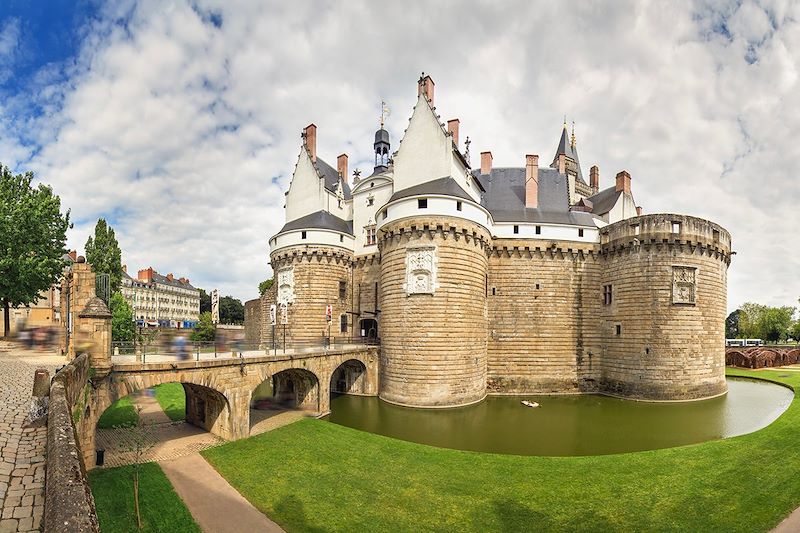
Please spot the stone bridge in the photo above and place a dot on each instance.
(761, 356)
(219, 391)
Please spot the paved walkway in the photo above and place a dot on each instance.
(263, 420)
(22, 451)
(151, 411)
(215, 505)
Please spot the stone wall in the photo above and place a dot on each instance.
(69, 505)
(252, 321)
(433, 312)
(663, 333)
(543, 316)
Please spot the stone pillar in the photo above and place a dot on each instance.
(93, 335)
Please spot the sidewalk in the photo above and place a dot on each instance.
(215, 505)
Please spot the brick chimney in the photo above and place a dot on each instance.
(594, 178)
(146, 275)
(531, 181)
(623, 182)
(638, 210)
(73, 254)
(486, 162)
(426, 87)
(452, 127)
(341, 166)
(311, 141)
(562, 164)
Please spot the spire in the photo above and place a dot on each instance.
(563, 143)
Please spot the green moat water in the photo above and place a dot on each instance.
(570, 425)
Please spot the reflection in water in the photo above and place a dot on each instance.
(570, 425)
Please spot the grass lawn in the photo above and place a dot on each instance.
(161, 508)
(121, 413)
(317, 476)
(172, 399)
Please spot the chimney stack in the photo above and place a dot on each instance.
(532, 181)
(311, 141)
(73, 254)
(146, 275)
(452, 127)
(638, 210)
(486, 162)
(594, 178)
(341, 166)
(562, 164)
(623, 182)
(426, 87)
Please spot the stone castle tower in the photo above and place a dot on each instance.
(499, 280)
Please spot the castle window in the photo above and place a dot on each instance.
(636, 229)
(458, 207)
(676, 227)
(342, 290)
(371, 183)
(341, 238)
(494, 291)
(619, 330)
(371, 235)
(516, 230)
(343, 323)
(370, 200)
(607, 294)
(302, 234)
(422, 203)
(538, 230)
(715, 233)
(580, 232)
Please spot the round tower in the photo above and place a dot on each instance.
(433, 309)
(664, 290)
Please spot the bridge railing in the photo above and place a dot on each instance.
(178, 349)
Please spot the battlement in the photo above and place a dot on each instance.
(665, 228)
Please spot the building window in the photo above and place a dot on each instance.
(422, 203)
(607, 295)
(458, 207)
(371, 235)
(341, 238)
(343, 323)
(302, 234)
(580, 232)
(676, 227)
(516, 230)
(494, 291)
(370, 200)
(342, 289)
(636, 229)
(715, 234)
(619, 330)
(538, 230)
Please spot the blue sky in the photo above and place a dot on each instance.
(180, 121)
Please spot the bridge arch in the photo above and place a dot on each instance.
(350, 377)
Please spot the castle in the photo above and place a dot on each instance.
(499, 280)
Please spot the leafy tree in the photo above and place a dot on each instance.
(205, 302)
(749, 318)
(774, 322)
(204, 330)
(122, 326)
(103, 253)
(732, 325)
(795, 331)
(265, 285)
(231, 310)
(33, 234)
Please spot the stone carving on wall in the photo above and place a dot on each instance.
(683, 285)
(420, 270)
(286, 285)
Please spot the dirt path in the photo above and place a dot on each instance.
(215, 505)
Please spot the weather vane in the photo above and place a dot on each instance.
(384, 113)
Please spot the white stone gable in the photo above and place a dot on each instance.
(305, 195)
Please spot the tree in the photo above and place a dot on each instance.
(103, 253)
(33, 234)
(265, 285)
(204, 330)
(774, 322)
(732, 325)
(795, 331)
(231, 310)
(749, 318)
(205, 302)
(122, 327)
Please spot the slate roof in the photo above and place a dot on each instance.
(320, 220)
(603, 201)
(446, 186)
(163, 280)
(505, 198)
(331, 176)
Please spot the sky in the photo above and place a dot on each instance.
(179, 122)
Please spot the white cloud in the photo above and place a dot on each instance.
(185, 133)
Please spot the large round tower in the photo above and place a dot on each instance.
(433, 308)
(664, 289)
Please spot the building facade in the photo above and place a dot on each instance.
(497, 280)
(163, 301)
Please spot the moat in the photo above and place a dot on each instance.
(570, 424)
